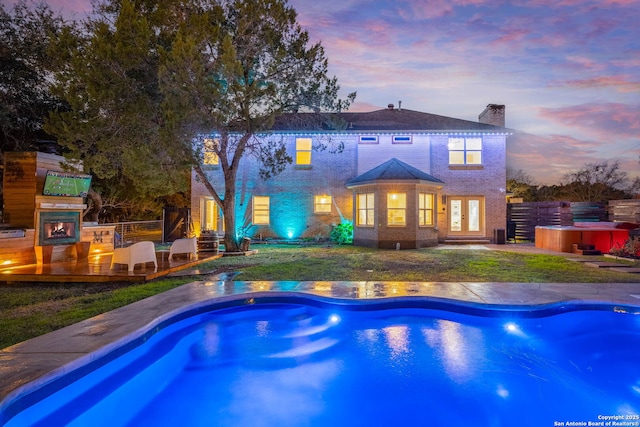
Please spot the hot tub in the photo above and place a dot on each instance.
(602, 235)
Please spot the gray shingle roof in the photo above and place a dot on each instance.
(409, 120)
(393, 170)
(383, 120)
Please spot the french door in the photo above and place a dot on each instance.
(466, 216)
(211, 218)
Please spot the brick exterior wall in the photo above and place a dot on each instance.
(488, 181)
(383, 236)
(292, 192)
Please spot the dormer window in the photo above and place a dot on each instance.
(368, 139)
(401, 139)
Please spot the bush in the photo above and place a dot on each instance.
(342, 233)
(631, 249)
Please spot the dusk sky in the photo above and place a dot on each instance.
(568, 71)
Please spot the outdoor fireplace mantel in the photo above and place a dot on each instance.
(70, 206)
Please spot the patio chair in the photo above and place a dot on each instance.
(184, 246)
(138, 253)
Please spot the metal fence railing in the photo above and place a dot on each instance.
(128, 233)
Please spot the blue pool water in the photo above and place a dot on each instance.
(309, 362)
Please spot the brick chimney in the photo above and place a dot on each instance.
(492, 115)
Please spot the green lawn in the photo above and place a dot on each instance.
(31, 309)
(285, 262)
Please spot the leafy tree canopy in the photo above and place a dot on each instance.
(108, 74)
(595, 182)
(233, 68)
(25, 73)
(145, 79)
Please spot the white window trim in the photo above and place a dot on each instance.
(404, 210)
(402, 139)
(209, 152)
(310, 150)
(316, 204)
(262, 210)
(368, 139)
(464, 151)
(368, 210)
(432, 209)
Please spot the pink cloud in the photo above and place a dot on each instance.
(512, 36)
(555, 4)
(547, 158)
(607, 121)
(363, 107)
(621, 83)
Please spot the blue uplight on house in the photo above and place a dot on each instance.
(289, 214)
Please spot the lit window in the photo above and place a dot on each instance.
(396, 209)
(365, 208)
(261, 210)
(210, 156)
(303, 151)
(465, 151)
(322, 204)
(425, 209)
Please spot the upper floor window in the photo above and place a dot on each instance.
(425, 209)
(396, 209)
(303, 151)
(465, 151)
(322, 204)
(368, 139)
(401, 139)
(261, 210)
(365, 209)
(210, 156)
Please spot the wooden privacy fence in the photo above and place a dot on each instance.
(522, 218)
(624, 210)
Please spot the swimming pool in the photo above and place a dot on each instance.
(309, 361)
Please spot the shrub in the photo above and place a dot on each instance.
(631, 249)
(342, 233)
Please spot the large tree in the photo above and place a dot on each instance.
(520, 184)
(233, 68)
(26, 68)
(596, 182)
(108, 75)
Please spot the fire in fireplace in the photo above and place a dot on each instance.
(59, 228)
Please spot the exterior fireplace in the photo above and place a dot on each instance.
(58, 228)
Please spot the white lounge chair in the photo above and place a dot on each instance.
(184, 246)
(138, 253)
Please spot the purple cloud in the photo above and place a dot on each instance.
(551, 156)
(552, 62)
(606, 120)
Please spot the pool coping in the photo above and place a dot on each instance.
(33, 364)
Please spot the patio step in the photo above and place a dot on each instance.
(467, 241)
(584, 249)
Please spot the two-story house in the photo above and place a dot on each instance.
(404, 178)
